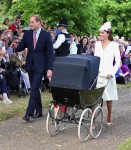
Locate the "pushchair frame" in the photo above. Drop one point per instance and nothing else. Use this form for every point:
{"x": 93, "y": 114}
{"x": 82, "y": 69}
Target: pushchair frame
{"x": 90, "y": 121}
{"x": 76, "y": 96}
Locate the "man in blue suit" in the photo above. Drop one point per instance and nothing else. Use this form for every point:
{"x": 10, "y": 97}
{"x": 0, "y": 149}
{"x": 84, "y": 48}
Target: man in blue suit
{"x": 39, "y": 59}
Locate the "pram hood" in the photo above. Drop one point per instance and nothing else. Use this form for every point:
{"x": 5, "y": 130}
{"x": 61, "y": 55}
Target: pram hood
{"x": 75, "y": 71}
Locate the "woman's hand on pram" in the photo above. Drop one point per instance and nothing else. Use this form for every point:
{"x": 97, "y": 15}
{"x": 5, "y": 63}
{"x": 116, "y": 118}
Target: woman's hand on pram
{"x": 109, "y": 76}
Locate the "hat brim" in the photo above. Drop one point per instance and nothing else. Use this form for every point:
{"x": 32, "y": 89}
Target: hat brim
{"x": 63, "y": 25}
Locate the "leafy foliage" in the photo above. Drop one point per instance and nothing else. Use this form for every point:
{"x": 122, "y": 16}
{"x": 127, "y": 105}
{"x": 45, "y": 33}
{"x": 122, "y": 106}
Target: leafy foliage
{"x": 84, "y": 16}
{"x": 126, "y": 145}
{"x": 119, "y": 12}
{"x": 5, "y": 5}
{"x": 81, "y": 14}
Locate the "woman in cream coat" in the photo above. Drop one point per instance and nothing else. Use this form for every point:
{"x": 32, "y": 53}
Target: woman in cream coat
{"x": 107, "y": 50}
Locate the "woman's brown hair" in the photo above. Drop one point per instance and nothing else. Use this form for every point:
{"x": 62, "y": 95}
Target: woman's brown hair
{"x": 6, "y": 19}
{"x": 110, "y": 37}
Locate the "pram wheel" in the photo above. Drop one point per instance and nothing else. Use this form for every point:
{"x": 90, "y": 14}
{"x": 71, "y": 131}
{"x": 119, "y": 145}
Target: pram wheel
{"x": 84, "y": 125}
{"x": 54, "y": 121}
{"x": 96, "y": 122}
{"x": 51, "y": 121}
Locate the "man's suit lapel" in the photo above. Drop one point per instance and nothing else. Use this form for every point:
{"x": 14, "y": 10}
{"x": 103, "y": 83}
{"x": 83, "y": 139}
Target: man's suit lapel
{"x": 31, "y": 40}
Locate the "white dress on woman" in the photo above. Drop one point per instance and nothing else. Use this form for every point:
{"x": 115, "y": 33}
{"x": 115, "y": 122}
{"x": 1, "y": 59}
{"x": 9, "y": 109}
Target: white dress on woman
{"x": 106, "y": 67}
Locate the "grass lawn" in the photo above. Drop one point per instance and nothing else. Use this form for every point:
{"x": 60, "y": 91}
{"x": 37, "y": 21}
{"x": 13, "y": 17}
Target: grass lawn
{"x": 125, "y": 146}
{"x": 122, "y": 86}
{"x": 20, "y": 104}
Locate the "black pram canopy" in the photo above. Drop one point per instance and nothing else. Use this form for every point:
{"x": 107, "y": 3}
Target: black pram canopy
{"x": 75, "y": 71}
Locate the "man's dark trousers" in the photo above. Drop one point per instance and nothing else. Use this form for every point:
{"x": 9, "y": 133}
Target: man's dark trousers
{"x": 35, "y": 103}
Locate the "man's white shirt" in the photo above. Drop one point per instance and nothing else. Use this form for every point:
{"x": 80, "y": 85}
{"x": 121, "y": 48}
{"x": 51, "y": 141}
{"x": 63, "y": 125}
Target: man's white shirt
{"x": 37, "y": 33}
{"x": 60, "y": 40}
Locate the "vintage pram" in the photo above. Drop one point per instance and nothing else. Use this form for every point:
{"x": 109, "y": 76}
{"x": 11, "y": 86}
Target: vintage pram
{"x": 73, "y": 88}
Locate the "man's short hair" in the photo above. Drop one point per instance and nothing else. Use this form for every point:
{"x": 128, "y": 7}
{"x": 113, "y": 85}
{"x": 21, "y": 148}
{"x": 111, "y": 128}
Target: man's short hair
{"x": 37, "y": 17}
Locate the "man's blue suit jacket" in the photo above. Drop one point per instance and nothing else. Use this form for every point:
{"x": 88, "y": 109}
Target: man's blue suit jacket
{"x": 42, "y": 55}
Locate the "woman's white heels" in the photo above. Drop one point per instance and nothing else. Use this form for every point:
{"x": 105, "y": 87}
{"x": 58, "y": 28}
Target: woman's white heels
{"x": 109, "y": 123}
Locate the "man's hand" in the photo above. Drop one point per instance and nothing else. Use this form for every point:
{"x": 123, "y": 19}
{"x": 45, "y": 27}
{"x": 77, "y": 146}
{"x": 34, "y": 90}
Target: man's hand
{"x": 49, "y": 74}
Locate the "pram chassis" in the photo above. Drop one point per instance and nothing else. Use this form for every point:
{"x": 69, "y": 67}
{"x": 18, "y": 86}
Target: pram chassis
{"x": 91, "y": 120}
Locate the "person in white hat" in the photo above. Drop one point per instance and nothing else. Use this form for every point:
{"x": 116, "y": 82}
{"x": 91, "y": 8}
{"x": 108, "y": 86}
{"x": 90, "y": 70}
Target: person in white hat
{"x": 107, "y": 50}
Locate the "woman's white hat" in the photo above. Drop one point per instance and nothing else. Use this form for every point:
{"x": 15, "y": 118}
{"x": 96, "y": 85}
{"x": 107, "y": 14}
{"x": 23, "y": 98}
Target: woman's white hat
{"x": 106, "y": 26}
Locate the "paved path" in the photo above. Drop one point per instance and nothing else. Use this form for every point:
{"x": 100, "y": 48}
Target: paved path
{"x": 15, "y": 134}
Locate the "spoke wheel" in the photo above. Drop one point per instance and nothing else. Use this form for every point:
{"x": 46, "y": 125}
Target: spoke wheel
{"x": 55, "y": 117}
{"x": 51, "y": 121}
{"x": 61, "y": 117}
{"x": 84, "y": 125}
{"x": 96, "y": 122}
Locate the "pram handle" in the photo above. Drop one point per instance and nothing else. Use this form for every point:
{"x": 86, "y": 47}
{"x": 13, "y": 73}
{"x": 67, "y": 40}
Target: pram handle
{"x": 95, "y": 80}
{"x": 93, "y": 83}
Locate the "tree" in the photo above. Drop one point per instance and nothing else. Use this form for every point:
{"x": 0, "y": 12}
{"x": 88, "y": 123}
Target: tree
{"x": 119, "y": 12}
{"x": 85, "y": 16}
{"x": 5, "y": 5}
{"x": 82, "y": 16}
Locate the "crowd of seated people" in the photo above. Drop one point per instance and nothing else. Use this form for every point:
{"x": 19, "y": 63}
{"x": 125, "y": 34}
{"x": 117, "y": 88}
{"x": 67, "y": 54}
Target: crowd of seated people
{"x": 123, "y": 74}
{"x": 11, "y": 33}
{"x": 20, "y": 59}
{"x": 3, "y": 86}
